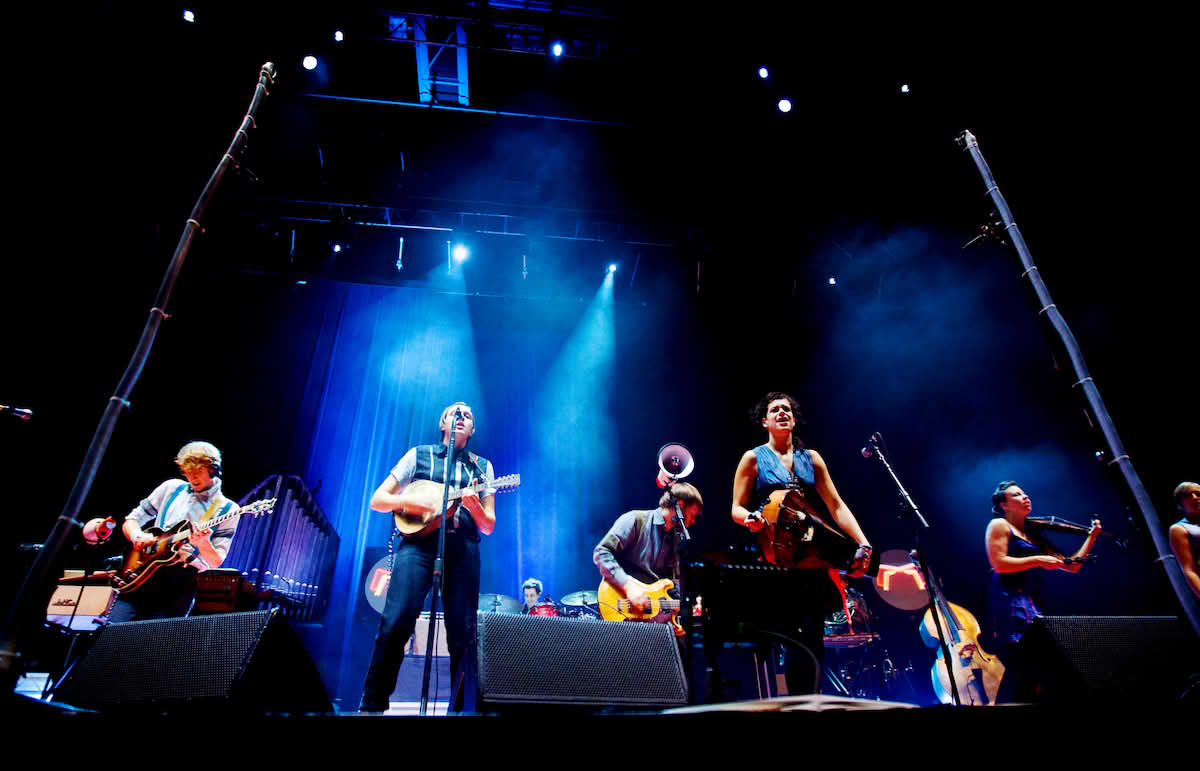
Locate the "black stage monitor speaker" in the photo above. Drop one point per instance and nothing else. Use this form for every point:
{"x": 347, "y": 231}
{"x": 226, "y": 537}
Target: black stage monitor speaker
{"x": 1065, "y": 658}
{"x": 548, "y": 660}
{"x": 248, "y": 662}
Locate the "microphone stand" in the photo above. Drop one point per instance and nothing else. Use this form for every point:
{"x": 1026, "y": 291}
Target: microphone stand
{"x": 22, "y": 614}
{"x": 682, "y": 541}
{"x": 918, "y": 523}
{"x": 438, "y": 570}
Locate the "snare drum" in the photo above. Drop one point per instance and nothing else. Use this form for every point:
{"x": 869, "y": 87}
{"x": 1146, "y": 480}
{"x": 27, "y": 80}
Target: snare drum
{"x": 543, "y": 609}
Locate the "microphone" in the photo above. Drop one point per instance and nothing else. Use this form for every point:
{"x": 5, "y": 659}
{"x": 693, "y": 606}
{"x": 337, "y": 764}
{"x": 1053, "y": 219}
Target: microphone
{"x": 20, "y": 412}
{"x": 869, "y": 450}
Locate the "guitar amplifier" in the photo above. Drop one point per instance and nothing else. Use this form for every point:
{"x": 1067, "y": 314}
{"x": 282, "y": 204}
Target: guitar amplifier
{"x": 79, "y": 606}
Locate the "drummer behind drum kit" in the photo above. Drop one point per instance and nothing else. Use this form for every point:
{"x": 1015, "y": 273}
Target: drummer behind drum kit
{"x": 582, "y": 605}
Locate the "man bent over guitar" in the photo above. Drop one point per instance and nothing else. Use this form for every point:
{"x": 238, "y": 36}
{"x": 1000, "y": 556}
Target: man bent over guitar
{"x": 639, "y": 558}
{"x": 170, "y": 591}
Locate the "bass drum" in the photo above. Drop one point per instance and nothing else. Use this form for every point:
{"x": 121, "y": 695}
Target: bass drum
{"x": 543, "y": 609}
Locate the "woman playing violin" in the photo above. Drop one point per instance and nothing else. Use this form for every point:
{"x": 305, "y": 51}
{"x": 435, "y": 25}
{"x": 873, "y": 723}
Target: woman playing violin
{"x": 1015, "y": 553}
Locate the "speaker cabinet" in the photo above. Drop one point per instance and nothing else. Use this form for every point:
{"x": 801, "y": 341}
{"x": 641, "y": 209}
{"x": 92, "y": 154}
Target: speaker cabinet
{"x": 1067, "y": 658}
{"x": 246, "y": 662}
{"x": 546, "y": 660}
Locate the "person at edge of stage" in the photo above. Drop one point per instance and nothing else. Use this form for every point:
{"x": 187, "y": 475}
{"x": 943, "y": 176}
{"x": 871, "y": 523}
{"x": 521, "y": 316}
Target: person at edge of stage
{"x": 412, "y": 564}
{"x": 532, "y": 591}
{"x": 784, "y": 462}
{"x": 644, "y": 544}
{"x": 171, "y": 590}
{"x": 1014, "y": 554}
{"x": 1185, "y": 534}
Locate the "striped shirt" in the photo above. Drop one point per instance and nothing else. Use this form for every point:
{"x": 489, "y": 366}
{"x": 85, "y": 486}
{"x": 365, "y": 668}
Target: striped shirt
{"x": 174, "y": 501}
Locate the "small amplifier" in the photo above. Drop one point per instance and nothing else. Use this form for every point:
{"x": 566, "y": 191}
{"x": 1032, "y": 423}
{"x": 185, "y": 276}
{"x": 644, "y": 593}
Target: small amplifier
{"x": 79, "y": 606}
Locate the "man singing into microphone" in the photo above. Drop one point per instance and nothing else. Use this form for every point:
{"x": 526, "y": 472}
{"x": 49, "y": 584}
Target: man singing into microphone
{"x": 412, "y": 565}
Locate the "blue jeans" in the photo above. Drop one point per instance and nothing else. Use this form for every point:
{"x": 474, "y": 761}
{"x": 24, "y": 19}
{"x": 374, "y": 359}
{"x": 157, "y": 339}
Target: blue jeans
{"x": 412, "y": 577}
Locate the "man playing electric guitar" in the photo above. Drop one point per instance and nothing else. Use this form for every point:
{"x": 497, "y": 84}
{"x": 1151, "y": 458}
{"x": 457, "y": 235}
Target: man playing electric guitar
{"x": 172, "y": 588}
{"x": 642, "y": 548}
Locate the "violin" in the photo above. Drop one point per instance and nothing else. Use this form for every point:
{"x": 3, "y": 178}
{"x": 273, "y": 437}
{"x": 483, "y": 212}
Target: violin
{"x": 1060, "y": 525}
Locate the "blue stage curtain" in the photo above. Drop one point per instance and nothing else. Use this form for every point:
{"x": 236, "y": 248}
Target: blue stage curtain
{"x": 387, "y": 361}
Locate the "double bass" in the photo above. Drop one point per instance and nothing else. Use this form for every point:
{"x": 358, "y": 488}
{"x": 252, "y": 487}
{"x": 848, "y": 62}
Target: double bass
{"x": 977, "y": 673}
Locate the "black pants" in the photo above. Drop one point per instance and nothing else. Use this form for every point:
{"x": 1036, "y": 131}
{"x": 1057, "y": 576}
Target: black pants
{"x": 799, "y": 666}
{"x": 169, "y": 593}
{"x": 412, "y": 577}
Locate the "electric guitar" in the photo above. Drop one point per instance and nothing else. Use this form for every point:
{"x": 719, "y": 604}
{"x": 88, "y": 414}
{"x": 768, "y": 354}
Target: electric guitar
{"x": 427, "y": 502}
{"x": 663, "y": 607}
{"x": 142, "y": 563}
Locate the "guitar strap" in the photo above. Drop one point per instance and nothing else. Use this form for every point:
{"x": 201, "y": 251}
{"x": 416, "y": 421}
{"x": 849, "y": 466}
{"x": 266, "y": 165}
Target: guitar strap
{"x": 163, "y": 512}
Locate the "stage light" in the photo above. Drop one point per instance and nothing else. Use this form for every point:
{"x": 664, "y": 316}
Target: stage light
{"x": 904, "y": 89}
{"x": 832, "y": 280}
{"x": 338, "y": 36}
{"x": 189, "y": 17}
{"x": 310, "y": 62}
{"x": 460, "y": 253}
{"x": 400, "y": 255}
{"x": 557, "y": 49}
{"x": 785, "y": 105}
{"x": 301, "y": 283}
{"x": 612, "y": 268}
{"x": 337, "y": 248}
{"x": 762, "y": 73}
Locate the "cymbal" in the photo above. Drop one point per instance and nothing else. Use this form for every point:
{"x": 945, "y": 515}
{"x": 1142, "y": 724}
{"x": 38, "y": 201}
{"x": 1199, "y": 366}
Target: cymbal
{"x": 499, "y": 603}
{"x": 580, "y": 598}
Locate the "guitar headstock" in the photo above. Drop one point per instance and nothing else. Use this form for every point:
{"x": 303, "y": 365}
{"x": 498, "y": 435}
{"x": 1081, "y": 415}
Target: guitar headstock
{"x": 258, "y": 507}
{"x": 505, "y": 483}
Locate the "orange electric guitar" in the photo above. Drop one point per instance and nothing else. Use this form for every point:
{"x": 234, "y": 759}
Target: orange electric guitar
{"x": 140, "y": 564}
{"x": 663, "y": 607}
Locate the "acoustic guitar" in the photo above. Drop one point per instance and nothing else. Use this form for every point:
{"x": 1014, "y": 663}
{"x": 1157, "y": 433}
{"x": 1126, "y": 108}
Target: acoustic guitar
{"x": 663, "y": 607}
{"x": 141, "y": 564}
{"x": 977, "y": 673}
{"x": 796, "y": 536}
{"x": 426, "y": 497}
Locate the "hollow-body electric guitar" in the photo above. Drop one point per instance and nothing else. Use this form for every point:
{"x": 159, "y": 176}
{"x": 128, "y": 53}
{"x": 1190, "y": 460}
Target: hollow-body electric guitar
{"x": 426, "y": 496}
{"x": 140, "y": 564}
{"x": 663, "y": 607}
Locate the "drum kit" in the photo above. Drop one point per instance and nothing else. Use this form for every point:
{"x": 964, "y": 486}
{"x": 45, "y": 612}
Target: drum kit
{"x": 581, "y": 605}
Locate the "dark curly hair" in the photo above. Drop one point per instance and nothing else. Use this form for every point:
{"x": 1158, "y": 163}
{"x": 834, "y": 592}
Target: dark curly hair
{"x": 759, "y": 410}
{"x": 999, "y": 495}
